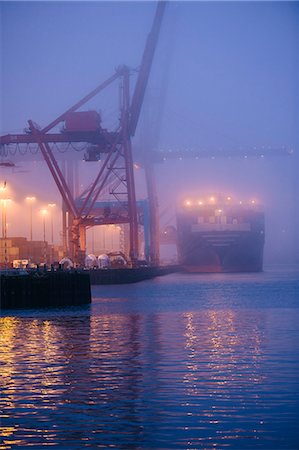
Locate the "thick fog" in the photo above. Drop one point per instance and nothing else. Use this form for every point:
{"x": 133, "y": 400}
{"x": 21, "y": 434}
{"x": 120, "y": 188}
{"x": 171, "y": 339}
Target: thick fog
{"x": 224, "y": 79}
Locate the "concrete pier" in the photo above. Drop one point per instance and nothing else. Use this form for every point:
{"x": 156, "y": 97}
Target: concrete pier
{"x": 41, "y": 289}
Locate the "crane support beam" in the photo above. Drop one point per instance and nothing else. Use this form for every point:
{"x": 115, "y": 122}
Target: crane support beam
{"x": 91, "y": 191}
{"x": 154, "y": 229}
{"x": 100, "y": 187}
{"x": 55, "y": 170}
{"x": 132, "y": 208}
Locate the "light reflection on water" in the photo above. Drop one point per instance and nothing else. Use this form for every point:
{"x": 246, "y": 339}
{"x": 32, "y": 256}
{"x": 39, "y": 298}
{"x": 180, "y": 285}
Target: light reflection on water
{"x": 177, "y": 362}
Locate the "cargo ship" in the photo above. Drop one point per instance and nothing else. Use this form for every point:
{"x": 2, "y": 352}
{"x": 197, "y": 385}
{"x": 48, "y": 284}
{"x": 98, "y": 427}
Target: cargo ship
{"x": 219, "y": 235}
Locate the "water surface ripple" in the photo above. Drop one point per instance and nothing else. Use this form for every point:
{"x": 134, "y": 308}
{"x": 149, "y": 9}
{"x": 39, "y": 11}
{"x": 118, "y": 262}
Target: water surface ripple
{"x": 182, "y": 361}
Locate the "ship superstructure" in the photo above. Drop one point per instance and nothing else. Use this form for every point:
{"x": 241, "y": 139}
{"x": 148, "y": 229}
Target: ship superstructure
{"x": 217, "y": 234}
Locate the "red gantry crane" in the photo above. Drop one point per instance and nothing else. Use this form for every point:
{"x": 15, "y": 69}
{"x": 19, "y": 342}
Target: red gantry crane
{"x": 114, "y": 146}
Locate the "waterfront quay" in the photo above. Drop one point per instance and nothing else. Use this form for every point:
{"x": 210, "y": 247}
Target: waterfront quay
{"x": 41, "y": 288}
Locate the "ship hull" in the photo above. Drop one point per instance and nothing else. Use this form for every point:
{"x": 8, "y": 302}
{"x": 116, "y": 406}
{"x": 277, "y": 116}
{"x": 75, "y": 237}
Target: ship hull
{"x": 210, "y": 239}
{"x": 245, "y": 254}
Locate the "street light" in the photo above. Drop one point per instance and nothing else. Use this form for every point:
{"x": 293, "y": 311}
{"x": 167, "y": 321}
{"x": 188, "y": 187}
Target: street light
{"x": 52, "y": 205}
{"x": 44, "y": 213}
{"x": 4, "y": 202}
{"x": 92, "y": 240}
{"x": 31, "y": 200}
{"x": 112, "y": 228}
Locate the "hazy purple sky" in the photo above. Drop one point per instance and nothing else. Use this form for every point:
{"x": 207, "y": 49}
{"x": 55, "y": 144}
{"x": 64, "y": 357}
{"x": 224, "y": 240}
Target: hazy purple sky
{"x": 226, "y": 75}
{"x": 232, "y": 75}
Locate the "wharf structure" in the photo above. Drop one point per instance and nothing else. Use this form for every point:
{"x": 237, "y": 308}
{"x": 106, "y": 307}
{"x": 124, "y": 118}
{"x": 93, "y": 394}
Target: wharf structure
{"x": 42, "y": 289}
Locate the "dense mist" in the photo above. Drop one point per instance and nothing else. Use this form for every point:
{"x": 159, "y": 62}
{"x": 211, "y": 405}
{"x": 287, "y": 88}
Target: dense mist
{"x": 224, "y": 79}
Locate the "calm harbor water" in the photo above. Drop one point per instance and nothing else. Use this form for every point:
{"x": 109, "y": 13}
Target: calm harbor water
{"x": 182, "y": 361}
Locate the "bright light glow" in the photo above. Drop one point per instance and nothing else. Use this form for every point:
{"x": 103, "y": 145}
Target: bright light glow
{"x": 252, "y": 202}
{"x": 219, "y": 211}
{"x": 30, "y": 199}
{"x": 188, "y": 203}
{"x": 4, "y": 201}
{"x": 4, "y": 188}
{"x": 44, "y": 212}
{"x": 51, "y": 205}
{"x": 212, "y": 199}
{"x": 240, "y": 202}
{"x": 136, "y": 166}
{"x": 200, "y": 202}
{"x": 228, "y": 198}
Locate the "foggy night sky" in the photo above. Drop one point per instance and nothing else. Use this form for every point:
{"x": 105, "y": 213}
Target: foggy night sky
{"x": 225, "y": 75}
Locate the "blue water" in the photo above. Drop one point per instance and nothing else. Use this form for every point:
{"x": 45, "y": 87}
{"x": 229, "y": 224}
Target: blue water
{"x": 182, "y": 361}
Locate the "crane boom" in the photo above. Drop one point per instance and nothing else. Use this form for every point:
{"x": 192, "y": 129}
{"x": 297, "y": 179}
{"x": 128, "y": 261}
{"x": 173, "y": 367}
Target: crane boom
{"x": 145, "y": 68}
{"x": 83, "y": 126}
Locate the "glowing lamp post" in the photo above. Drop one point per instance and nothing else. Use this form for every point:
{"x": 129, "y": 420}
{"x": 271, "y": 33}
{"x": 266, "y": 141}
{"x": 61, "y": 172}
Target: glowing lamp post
{"x": 2, "y": 199}
{"x": 112, "y": 228}
{"x": 4, "y": 202}
{"x": 44, "y": 213}
{"x": 30, "y": 200}
{"x": 52, "y": 205}
{"x": 92, "y": 240}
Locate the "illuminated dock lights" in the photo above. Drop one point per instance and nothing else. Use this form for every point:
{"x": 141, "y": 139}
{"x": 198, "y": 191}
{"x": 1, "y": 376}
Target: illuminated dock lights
{"x": 44, "y": 213}
{"x": 31, "y": 200}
